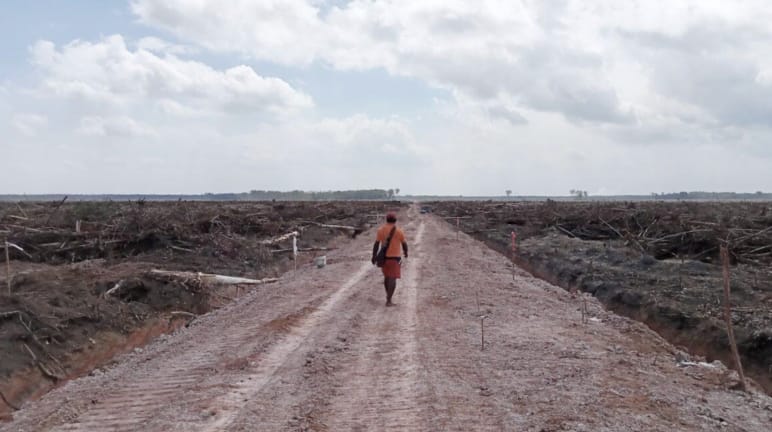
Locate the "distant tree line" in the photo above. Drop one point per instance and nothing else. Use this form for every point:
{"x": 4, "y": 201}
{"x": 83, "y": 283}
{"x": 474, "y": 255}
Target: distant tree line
{"x": 298, "y": 195}
{"x": 253, "y": 195}
{"x": 701, "y": 195}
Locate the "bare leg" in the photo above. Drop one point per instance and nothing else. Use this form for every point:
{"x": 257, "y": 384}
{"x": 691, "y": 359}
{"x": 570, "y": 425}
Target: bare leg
{"x": 386, "y": 287}
{"x": 391, "y": 285}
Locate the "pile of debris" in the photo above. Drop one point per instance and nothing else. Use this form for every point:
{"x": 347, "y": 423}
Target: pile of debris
{"x": 686, "y": 230}
{"x": 89, "y": 280}
{"x": 58, "y": 233}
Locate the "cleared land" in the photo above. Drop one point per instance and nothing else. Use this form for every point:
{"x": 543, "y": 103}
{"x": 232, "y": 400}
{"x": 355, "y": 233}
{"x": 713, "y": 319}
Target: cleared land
{"x": 319, "y": 351}
{"x": 83, "y": 289}
{"x": 656, "y": 262}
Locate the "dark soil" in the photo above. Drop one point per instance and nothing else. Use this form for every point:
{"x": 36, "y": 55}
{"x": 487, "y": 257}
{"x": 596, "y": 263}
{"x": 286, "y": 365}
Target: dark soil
{"x": 58, "y": 323}
{"x": 654, "y": 262}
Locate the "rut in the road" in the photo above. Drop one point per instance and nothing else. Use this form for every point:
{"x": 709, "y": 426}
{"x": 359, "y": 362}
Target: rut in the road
{"x": 380, "y": 392}
{"x": 229, "y": 406}
{"x": 200, "y": 378}
{"x": 319, "y": 351}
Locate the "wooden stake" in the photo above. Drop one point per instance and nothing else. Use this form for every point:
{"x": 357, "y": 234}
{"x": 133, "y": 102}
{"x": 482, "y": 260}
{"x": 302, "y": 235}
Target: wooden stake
{"x": 482, "y": 333}
{"x": 7, "y": 267}
{"x": 514, "y": 238}
{"x": 728, "y": 317}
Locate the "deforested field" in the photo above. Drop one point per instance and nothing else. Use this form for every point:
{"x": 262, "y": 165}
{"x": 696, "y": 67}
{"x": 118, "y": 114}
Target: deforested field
{"x": 657, "y": 262}
{"x": 83, "y": 286}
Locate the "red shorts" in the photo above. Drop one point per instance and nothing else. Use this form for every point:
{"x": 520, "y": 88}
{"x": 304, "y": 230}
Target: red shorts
{"x": 392, "y": 268}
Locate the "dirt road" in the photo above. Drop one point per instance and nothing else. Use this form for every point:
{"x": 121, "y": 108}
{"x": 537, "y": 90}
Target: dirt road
{"x": 319, "y": 351}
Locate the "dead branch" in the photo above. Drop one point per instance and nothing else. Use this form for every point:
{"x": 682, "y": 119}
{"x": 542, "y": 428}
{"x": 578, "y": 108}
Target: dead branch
{"x": 189, "y": 316}
{"x": 183, "y": 313}
{"x": 22, "y": 210}
{"x": 669, "y": 236}
{"x": 612, "y": 228}
{"x": 212, "y": 278}
{"x": 114, "y": 289}
{"x": 7, "y": 314}
{"x": 56, "y": 209}
{"x": 279, "y": 238}
{"x": 43, "y": 368}
{"x": 341, "y": 227}
{"x": 318, "y": 249}
{"x": 181, "y": 249}
{"x": 567, "y": 232}
{"x": 750, "y": 236}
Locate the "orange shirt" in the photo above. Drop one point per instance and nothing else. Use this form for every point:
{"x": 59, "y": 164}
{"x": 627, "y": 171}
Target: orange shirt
{"x": 395, "y": 247}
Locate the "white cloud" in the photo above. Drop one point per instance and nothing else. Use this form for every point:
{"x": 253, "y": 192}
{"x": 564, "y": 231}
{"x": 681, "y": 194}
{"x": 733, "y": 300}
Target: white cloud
{"x": 29, "y": 124}
{"x": 109, "y": 73}
{"x": 273, "y": 31}
{"x": 544, "y": 97}
{"x": 361, "y": 133}
{"x": 112, "y": 127}
{"x": 161, "y": 46}
{"x": 507, "y": 113}
{"x": 582, "y": 59}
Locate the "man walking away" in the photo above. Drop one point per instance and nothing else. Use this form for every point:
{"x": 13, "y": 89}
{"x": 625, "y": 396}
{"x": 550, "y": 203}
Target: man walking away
{"x": 390, "y": 237}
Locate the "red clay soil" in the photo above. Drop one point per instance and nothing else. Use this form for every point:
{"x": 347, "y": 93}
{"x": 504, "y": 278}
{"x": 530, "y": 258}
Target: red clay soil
{"x": 319, "y": 351}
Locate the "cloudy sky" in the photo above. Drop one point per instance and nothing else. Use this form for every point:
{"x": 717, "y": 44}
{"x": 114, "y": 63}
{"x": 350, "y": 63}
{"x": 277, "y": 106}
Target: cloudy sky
{"x": 431, "y": 96}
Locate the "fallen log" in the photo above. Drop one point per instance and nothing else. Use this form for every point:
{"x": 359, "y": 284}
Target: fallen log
{"x": 181, "y": 249}
{"x": 279, "y": 238}
{"x": 319, "y": 249}
{"x": 341, "y": 227}
{"x": 114, "y": 289}
{"x": 567, "y": 232}
{"x": 45, "y": 370}
{"x": 183, "y": 313}
{"x": 212, "y": 278}
{"x": 21, "y": 210}
{"x": 7, "y": 314}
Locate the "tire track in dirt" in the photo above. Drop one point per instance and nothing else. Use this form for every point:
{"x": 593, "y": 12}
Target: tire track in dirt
{"x": 195, "y": 381}
{"x": 129, "y": 406}
{"x": 320, "y": 352}
{"x": 299, "y": 394}
{"x": 381, "y": 387}
{"x": 229, "y": 406}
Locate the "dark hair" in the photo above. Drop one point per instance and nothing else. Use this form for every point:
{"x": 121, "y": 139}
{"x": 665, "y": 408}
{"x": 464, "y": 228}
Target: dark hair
{"x": 391, "y": 219}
